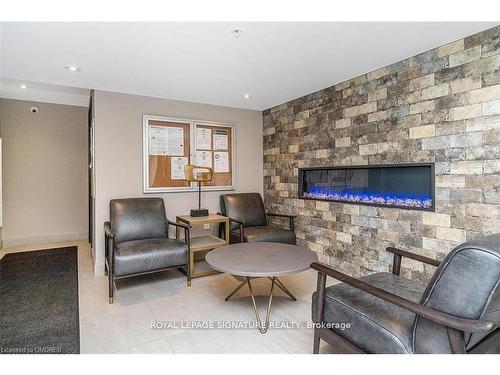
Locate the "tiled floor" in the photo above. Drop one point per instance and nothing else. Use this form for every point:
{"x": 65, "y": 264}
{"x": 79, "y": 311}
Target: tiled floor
{"x": 125, "y": 326}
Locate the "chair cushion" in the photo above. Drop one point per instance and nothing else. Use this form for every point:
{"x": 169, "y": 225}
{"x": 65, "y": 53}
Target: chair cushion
{"x": 148, "y": 255}
{"x": 376, "y": 326}
{"x": 264, "y": 233}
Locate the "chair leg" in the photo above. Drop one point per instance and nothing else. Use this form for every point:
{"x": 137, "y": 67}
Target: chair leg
{"x": 188, "y": 273}
{"x": 316, "y": 342}
{"x": 110, "y": 279}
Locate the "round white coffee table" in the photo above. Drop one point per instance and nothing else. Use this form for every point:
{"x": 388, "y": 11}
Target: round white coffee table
{"x": 251, "y": 260}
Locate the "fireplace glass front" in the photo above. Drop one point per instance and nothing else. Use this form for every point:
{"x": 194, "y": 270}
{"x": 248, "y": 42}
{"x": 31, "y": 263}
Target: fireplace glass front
{"x": 403, "y": 186}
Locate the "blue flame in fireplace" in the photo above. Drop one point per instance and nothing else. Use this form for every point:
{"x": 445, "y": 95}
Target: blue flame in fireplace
{"x": 387, "y": 199}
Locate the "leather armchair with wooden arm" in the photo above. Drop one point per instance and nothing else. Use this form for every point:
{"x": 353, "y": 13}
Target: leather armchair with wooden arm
{"x": 249, "y": 220}
{"x": 456, "y": 313}
{"x": 137, "y": 241}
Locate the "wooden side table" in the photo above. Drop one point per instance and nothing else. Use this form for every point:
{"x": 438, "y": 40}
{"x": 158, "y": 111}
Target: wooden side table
{"x": 200, "y": 246}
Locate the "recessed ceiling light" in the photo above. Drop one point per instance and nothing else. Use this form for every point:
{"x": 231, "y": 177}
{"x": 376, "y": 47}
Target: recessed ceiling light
{"x": 237, "y": 33}
{"x": 73, "y": 68}
{"x": 23, "y": 86}
{"x": 247, "y": 96}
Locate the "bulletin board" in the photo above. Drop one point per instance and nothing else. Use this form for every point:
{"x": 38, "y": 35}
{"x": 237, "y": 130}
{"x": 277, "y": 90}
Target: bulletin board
{"x": 214, "y": 150}
{"x": 171, "y": 143}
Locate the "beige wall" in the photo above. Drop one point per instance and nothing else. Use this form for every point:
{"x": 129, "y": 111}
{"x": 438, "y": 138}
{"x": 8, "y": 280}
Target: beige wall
{"x": 44, "y": 172}
{"x": 118, "y": 152}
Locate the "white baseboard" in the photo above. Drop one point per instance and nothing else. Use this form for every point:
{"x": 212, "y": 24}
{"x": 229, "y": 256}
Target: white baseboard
{"x": 98, "y": 269}
{"x": 11, "y": 242}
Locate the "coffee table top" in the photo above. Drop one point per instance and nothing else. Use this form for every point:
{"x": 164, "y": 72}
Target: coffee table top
{"x": 260, "y": 259}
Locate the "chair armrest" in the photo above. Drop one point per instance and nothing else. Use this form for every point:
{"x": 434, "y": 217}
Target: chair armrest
{"x": 290, "y": 218}
{"x": 186, "y": 228}
{"x": 238, "y": 221}
{"x": 241, "y": 227}
{"x": 235, "y": 220}
{"x": 180, "y": 225}
{"x": 398, "y": 254}
{"x": 407, "y": 254}
{"x": 447, "y": 320}
{"x": 109, "y": 246}
{"x": 108, "y": 232}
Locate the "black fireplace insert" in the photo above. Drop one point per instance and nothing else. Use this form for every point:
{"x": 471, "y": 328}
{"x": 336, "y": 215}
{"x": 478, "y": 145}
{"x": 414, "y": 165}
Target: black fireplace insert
{"x": 408, "y": 186}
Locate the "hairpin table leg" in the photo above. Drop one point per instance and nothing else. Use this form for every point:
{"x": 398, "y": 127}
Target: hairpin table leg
{"x": 236, "y": 290}
{"x": 284, "y": 289}
{"x": 262, "y": 329}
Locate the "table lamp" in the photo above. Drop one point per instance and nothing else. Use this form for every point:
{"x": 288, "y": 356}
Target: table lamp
{"x": 199, "y": 174}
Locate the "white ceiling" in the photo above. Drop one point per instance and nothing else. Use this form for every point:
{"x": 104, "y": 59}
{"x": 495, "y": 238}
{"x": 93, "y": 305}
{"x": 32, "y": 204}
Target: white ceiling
{"x": 43, "y": 92}
{"x": 204, "y": 62}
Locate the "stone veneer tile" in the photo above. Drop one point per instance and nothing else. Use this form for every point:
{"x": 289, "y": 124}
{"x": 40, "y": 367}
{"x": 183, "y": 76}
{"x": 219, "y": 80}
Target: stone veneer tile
{"x": 436, "y": 143}
{"x": 377, "y": 94}
{"x": 422, "y": 82}
{"x": 351, "y": 209}
{"x": 485, "y": 94}
{"x": 439, "y": 106}
{"x": 435, "y": 91}
{"x": 490, "y": 108}
{"x": 360, "y": 109}
{"x": 424, "y": 131}
{"x": 465, "y": 84}
{"x": 492, "y": 166}
{"x": 344, "y": 237}
{"x": 450, "y": 48}
{"x": 343, "y": 123}
{"x": 377, "y": 116}
{"x": 420, "y": 107}
{"x": 466, "y": 140}
{"x": 451, "y": 234}
{"x": 466, "y": 167}
{"x": 491, "y": 78}
{"x": 450, "y": 181}
{"x": 343, "y": 142}
{"x": 483, "y": 210}
{"x": 466, "y": 56}
{"x": 435, "y": 219}
{"x": 465, "y": 112}
{"x": 441, "y": 246}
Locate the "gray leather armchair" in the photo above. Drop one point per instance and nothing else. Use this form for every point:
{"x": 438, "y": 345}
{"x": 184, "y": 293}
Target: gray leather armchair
{"x": 458, "y": 312}
{"x": 137, "y": 240}
{"x": 248, "y": 220}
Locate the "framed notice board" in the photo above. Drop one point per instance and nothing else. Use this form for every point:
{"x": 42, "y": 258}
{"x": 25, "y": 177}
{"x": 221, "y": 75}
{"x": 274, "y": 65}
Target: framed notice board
{"x": 171, "y": 143}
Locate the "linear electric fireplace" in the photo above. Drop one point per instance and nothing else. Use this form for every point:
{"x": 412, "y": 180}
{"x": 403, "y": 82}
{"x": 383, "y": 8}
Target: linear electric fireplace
{"x": 404, "y": 186}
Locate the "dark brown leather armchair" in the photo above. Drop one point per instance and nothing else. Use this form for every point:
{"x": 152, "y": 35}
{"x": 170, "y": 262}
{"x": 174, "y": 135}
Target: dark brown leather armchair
{"x": 248, "y": 220}
{"x": 458, "y": 311}
{"x": 137, "y": 240}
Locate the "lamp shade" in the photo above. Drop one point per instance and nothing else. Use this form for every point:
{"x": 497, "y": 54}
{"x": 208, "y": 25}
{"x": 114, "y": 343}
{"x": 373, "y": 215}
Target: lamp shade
{"x": 197, "y": 173}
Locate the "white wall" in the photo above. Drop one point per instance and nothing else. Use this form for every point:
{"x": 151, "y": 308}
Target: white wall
{"x": 44, "y": 172}
{"x": 118, "y": 153}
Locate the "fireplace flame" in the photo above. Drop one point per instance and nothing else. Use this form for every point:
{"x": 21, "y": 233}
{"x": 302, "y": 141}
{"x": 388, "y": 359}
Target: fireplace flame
{"x": 385, "y": 200}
